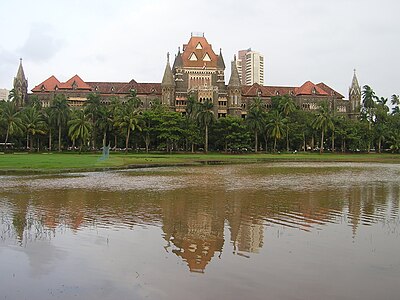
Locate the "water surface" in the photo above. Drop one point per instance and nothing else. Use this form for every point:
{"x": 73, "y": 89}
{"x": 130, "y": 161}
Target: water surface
{"x": 266, "y": 231}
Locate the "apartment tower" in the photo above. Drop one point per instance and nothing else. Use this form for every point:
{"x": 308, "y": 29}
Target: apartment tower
{"x": 250, "y": 65}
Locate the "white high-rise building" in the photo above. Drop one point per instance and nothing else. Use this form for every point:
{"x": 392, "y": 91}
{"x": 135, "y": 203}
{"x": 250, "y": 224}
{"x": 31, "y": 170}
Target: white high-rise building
{"x": 4, "y": 94}
{"x": 250, "y": 65}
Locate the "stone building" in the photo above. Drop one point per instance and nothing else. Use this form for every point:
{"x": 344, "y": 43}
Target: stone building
{"x": 4, "y": 94}
{"x": 196, "y": 72}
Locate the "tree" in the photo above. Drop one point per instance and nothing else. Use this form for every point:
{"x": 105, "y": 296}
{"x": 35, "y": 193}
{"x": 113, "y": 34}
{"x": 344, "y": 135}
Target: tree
{"x": 93, "y": 108}
{"x": 287, "y": 107}
{"x": 276, "y": 126}
{"x": 256, "y": 119}
{"x": 380, "y": 121}
{"x": 323, "y": 121}
{"x": 368, "y": 109}
{"x": 33, "y": 123}
{"x": 12, "y": 119}
{"x": 60, "y": 111}
{"x": 128, "y": 120}
{"x": 79, "y": 127}
{"x": 205, "y": 117}
{"x": 395, "y": 100}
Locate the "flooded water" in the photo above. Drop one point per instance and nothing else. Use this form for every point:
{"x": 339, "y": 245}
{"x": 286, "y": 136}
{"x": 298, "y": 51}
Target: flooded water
{"x": 266, "y": 231}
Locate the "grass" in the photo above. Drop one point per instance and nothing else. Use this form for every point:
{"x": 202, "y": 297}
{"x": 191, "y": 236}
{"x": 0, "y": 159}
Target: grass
{"x": 59, "y": 162}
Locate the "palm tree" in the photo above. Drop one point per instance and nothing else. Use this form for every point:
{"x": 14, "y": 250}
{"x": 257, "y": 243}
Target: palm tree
{"x": 395, "y": 100}
{"x": 92, "y": 108}
{"x": 368, "y": 101}
{"x": 276, "y": 126}
{"x": 133, "y": 98}
{"x": 60, "y": 111}
{"x": 323, "y": 121}
{"x": 287, "y": 106}
{"x": 128, "y": 120}
{"x": 11, "y": 116}
{"x": 79, "y": 127}
{"x": 205, "y": 116}
{"x": 14, "y": 96}
{"x": 33, "y": 123}
{"x": 256, "y": 119}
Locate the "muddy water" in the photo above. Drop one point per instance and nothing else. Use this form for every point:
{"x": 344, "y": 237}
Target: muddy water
{"x": 267, "y": 231}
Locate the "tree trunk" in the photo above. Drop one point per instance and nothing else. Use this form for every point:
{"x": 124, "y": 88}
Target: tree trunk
{"x": 333, "y": 141}
{"x": 127, "y": 140}
{"x": 50, "y": 140}
{"x": 5, "y": 142}
{"x": 27, "y": 141}
{"x": 379, "y": 144}
{"x": 321, "y": 149}
{"x": 206, "y": 142}
{"x": 304, "y": 142}
{"x": 104, "y": 138}
{"x": 192, "y": 147}
{"x": 312, "y": 142}
{"x": 287, "y": 139}
{"x": 256, "y": 141}
{"x": 115, "y": 142}
{"x": 59, "y": 136}
{"x": 275, "y": 145}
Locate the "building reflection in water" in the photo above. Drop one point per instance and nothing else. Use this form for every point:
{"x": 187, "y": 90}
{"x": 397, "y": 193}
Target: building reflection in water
{"x": 193, "y": 219}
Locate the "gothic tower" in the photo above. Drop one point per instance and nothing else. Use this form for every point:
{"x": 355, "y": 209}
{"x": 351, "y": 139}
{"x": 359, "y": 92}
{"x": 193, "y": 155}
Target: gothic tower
{"x": 354, "y": 97}
{"x": 168, "y": 86}
{"x": 20, "y": 86}
{"x": 234, "y": 91}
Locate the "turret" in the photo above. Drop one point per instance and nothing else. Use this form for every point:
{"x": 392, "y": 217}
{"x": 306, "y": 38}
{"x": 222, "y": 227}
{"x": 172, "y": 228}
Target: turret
{"x": 20, "y": 86}
{"x": 168, "y": 86}
{"x": 355, "y": 95}
{"x": 234, "y": 90}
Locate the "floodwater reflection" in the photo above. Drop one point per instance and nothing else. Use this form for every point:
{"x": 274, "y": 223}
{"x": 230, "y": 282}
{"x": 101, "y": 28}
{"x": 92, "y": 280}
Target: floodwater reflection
{"x": 92, "y": 235}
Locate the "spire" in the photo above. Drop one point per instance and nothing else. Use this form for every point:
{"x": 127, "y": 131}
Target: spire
{"x": 20, "y": 73}
{"x": 178, "y": 63}
{"x": 235, "y": 79}
{"x": 355, "y": 87}
{"x": 168, "y": 78}
{"x": 220, "y": 62}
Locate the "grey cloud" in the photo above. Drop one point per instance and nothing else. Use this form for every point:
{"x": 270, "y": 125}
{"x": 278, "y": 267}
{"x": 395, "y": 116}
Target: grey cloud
{"x": 42, "y": 43}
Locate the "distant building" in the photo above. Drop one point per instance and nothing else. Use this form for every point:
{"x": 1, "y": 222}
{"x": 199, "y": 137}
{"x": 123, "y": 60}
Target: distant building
{"x": 250, "y": 65}
{"x": 198, "y": 72}
{"x": 4, "y": 94}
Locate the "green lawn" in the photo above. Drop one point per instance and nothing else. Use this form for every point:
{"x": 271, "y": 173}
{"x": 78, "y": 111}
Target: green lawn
{"x": 36, "y": 162}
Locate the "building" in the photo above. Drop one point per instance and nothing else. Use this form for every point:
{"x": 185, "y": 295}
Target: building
{"x": 4, "y": 94}
{"x": 250, "y": 65}
{"x": 199, "y": 73}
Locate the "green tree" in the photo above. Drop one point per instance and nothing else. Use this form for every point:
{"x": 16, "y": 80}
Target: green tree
{"x": 33, "y": 123}
{"x": 11, "y": 117}
{"x": 395, "y": 100}
{"x": 323, "y": 121}
{"x": 79, "y": 127}
{"x": 60, "y": 112}
{"x": 93, "y": 110}
{"x": 256, "y": 119}
{"x": 205, "y": 116}
{"x": 287, "y": 107}
{"x": 128, "y": 120}
{"x": 276, "y": 126}
{"x": 368, "y": 110}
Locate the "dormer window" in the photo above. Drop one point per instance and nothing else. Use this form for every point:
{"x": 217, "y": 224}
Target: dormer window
{"x": 56, "y": 88}
{"x": 42, "y": 88}
{"x": 74, "y": 85}
{"x": 193, "y": 57}
{"x": 112, "y": 89}
{"x": 199, "y": 46}
{"x": 259, "y": 93}
{"x": 314, "y": 91}
{"x": 277, "y": 93}
{"x": 96, "y": 88}
{"x": 206, "y": 57}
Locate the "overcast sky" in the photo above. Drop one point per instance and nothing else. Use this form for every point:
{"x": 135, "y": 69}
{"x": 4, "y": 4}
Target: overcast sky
{"x": 120, "y": 40}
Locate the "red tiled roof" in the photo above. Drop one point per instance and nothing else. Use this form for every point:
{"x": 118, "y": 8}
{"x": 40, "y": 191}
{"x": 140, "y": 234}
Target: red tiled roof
{"x": 256, "y": 90}
{"x": 125, "y": 87}
{"x": 190, "y": 48}
{"x": 329, "y": 90}
{"x": 48, "y": 85}
{"x": 309, "y": 88}
{"x": 76, "y": 83}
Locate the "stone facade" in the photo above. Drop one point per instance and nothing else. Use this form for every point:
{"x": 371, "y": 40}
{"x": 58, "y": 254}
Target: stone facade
{"x": 197, "y": 72}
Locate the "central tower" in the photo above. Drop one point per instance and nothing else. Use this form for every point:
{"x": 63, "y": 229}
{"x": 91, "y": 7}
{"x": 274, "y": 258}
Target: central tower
{"x": 199, "y": 72}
